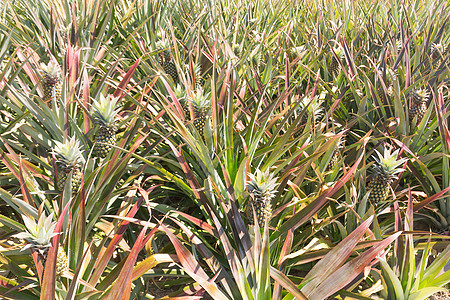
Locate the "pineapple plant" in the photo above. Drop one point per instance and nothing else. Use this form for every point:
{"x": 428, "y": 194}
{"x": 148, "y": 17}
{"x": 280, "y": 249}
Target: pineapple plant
{"x": 389, "y": 82}
{"x": 261, "y": 188}
{"x": 418, "y": 105}
{"x": 200, "y": 105}
{"x": 104, "y": 113}
{"x": 165, "y": 59}
{"x": 384, "y": 173}
{"x": 335, "y": 67}
{"x": 52, "y": 81}
{"x": 39, "y": 235}
{"x": 70, "y": 160}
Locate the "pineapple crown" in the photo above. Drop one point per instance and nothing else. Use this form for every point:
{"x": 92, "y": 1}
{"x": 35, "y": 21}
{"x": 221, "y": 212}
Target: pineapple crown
{"x": 262, "y": 184}
{"x": 105, "y": 110}
{"x": 420, "y": 95}
{"x": 39, "y": 234}
{"x": 162, "y": 44}
{"x": 200, "y": 101}
{"x": 69, "y": 152}
{"x": 339, "y": 51}
{"x": 391, "y": 74}
{"x": 51, "y": 69}
{"x": 180, "y": 93}
{"x": 387, "y": 164}
{"x": 437, "y": 47}
{"x": 313, "y": 105}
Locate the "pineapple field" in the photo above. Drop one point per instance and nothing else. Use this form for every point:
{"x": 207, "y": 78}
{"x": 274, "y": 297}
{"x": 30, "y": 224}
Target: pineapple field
{"x": 237, "y": 149}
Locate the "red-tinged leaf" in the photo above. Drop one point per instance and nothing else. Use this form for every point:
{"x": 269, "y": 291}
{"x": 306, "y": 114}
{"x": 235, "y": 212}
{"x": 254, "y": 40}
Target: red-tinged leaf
{"x": 200, "y": 223}
{"x": 428, "y": 200}
{"x": 70, "y": 275}
{"x": 311, "y": 209}
{"x": 193, "y": 268}
{"x": 107, "y": 253}
{"x": 120, "y": 91}
{"x": 7, "y": 160}
{"x": 188, "y": 172}
{"x": 76, "y": 276}
{"x": 125, "y": 276}
{"x": 114, "y": 274}
{"x": 350, "y": 270}
{"x": 215, "y": 266}
{"x": 23, "y": 186}
{"x": 86, "y": 100}
{"x": 335, "y": 258}
{"x": 184, "y": 298}
{"x": 49, "y": 279}
{"x": 286, "y": 283}
{"x": 174, "y": 98}
{"x": 152, "y": 261}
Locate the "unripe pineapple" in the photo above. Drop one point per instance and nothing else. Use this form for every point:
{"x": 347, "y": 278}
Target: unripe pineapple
{"x": 418, "y": 105}
{"x": 335, "y": 157}
{"x": 39, "y": 235}
{"x": 311, "y": 108}
{"x": 436, "y": 54}
{"x": 104, "y": 113}
{"x": 51, "y": 80}
{"x": 166, "y": 61}
{"x": 262, "y": 190}
{"x": 385, "y": 170}
{"x": 70, "y": 161}
{"x": 61, "y": 261}
{"x": 335, "y": 67}
{"x": 201, "y": 107}
{"x": 390, "y": 77}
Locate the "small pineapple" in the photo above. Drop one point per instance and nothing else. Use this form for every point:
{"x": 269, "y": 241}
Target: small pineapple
{"x": 70, "y": 161}
{"x": 311, "y": 108}
{"x": 390, "y": 77}
{"x": 39, "y": 235}
{"x": 335, "y": 67}
{"x": 61, "y": 261}
{"x": 261, "y": 187}
{"x": 436, "y": 54}
{"x": 335, "y": 157}
{"x": 385, "y": 170}
{"x": 166, "y": 61}
{"x": 201, "y": 106}
{"x": 104, "y": 113}
{"x": 52, "y": 80}
{"x": 418, "y": 104}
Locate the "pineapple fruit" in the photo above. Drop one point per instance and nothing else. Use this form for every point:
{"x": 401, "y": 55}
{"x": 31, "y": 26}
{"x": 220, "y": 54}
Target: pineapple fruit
{"x": 418, "y": 104}
{"x": 390, "y": 77}
{"x": 261, "y": 188}
{"x": 52, "y": 81}
{"x": 200, "y": 105}
{"x": 70, "y": 161}
{"x": 311, "y": 108}
{"x": 104, "y": 113}
{"x": 335, "y": 156}
{"x": 166, "y": 61}
{"x": 335, "y": 67}
{"x": 436, "y": 54}
{"x": 385, "y": 170}
{"x": 39, "y": 235}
